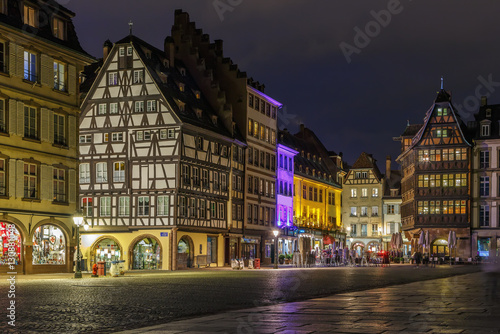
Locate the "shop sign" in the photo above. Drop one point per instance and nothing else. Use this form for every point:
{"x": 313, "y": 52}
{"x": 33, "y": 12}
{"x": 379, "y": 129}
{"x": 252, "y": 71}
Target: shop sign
{"x": 249, "y": 241}
{"x": 302, "y": 231}
{"x": 163, "y": 234}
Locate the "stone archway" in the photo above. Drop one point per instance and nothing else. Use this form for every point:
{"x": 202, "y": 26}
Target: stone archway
{"x": 97, "y": 255}
{"x": 357, "y": 248}
{"x": 133, "y": 248}
{"x": 17, "y": 234}
{"x": 185, "y": 252}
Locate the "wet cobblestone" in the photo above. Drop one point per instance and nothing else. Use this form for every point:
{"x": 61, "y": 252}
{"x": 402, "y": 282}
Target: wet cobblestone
{"x": 106, "y": 305}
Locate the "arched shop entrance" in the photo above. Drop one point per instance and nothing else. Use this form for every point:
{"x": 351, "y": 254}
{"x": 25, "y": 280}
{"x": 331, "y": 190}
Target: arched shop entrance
{"x": 107, "y": 250}
{"x": 9, "y": 234}
{"x": 146, "y": 254}
{"x": 185, "y": 253}
{"x": 373, "y": 246}
{"x": 439, "y": 247}
{"x": 358, "y": 248}
{"x": 49, "y": 246}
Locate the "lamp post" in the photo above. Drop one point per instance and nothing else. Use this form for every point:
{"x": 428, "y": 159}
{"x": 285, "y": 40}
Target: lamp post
{"x": 276, "y": 232}
{"x": 78, "y": 220}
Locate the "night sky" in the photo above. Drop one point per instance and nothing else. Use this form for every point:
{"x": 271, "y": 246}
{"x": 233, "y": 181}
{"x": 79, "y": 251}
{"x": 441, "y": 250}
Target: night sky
{"x": 294, "y": 48}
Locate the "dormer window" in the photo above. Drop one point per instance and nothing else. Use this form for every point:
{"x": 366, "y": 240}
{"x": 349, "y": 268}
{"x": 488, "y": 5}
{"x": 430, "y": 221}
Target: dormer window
{"x": 197, "y": 94}
{"x": 485, "y": 130}
{"x": 214, "y": 119}
{"x": 314, "y": 158}
{"x": 488, "y": 112}
{"x": 183, "y": 71}
{"x": 198, "y": 113}
{"x": 30, "y": 16}
{"x": 309, "y": 156}
{"x": 302, "y": 153}
{"x": 181, "y": 86}
{"x": 59, "y": 28}
{"x": 166, "y": 63}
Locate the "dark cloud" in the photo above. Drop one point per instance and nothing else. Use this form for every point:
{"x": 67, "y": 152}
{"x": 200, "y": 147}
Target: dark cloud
{"x": 293, "y": 47}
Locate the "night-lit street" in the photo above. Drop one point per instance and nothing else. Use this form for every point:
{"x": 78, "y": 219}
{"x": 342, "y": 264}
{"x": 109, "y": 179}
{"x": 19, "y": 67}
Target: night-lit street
{"x": 139, "y": 300}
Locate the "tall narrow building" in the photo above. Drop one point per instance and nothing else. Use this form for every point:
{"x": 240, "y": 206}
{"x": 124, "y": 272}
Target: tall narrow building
{"x": 241, "y": 101}
{"x": 40, "y": 59}
{"x": 435, "y": 164}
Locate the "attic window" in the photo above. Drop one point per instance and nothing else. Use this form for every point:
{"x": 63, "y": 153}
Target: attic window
{"x": 197, "y": 94}
{"x": 488, "y": 112}
{"x": 148, "y": 54}
{"x": 214, "y": 120}
{"x": 181, "y": 106}
{"x": 58, "y": 28}
{"x": 181, "y": 86}
{"x": 183, "y": 71}
{"x": 308, "y": 155}
{"x": 198, "y": 113}
{"x": 300, "y": 168}
{"x": 307, "y": 170}
{"x": 319, "y": 159}
{"x": 166, "y": 63}
{"x": 314, "y": 157}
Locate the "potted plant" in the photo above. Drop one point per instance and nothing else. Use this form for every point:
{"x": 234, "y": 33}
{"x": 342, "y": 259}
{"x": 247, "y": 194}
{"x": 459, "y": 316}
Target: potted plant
{"x": 288, "y": 258}
{"x": 282, "y": 258}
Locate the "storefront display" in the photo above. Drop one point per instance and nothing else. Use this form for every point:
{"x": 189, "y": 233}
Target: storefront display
{"x": 49, "y": 246}
{"x": 9, "y": 234}
{"x": 249, "y": 248}
{"x": 107, "y": 250}
{"x": 146, "y": 254}
{"x": 483, "y": 247}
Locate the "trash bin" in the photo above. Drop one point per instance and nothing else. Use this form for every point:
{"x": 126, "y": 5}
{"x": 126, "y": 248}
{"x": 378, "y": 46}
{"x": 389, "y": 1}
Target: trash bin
{"x": 101, "y": 268}
{"x": 256, "y": 263}
{"x": 250, "y": 264}
{"x": 121, "y": 267}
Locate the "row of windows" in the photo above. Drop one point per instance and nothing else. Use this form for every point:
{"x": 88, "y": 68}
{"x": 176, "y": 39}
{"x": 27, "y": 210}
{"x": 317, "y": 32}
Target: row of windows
{"x": 285, "y": 162}
{"x": 261, "y": 187}
{"x": 101, "y": 172}
{"x": 31, "y": 121}
{"x": 364, "y": 192}
{"x": 442, "y": 112}
{"x": 363, "y": 211}
{"x": 137, "y": 77}
{"x": 262, "y": 106}
{"x": 123, "y": 209}
{"x": 201, "y": 208}
{"x": 31, "y": 181}
{"x": 442, "y": 180}
{"x": 31, "y": 18}
{"x": 285, "y": 188}
{"x": 260, "y": 214}
{"x": 141, "y": 135}
{"x": 200, "y": 177}
{"x": 451, "y": 154}
{"x": 262, "y": 159}
{"x": 237, "y": 212}
{"x": 262, "y": 132}
{"x": 314, "y": 173}
{"x": 363, "y": 231}
{"x": 441, "y": 207}
{"x": 284, "y": 215}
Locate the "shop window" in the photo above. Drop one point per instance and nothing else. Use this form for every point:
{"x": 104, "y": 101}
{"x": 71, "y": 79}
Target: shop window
{"x": 49, "y": 245}
{"x": 9, "y": 234}
{"x": 483, "y": 247}
{"x": 146, "y": 255}
{"x": 107, "y": 250}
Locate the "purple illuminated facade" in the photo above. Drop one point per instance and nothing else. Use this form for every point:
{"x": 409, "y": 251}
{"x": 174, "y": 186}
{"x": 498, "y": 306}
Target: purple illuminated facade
{"x": 284, "y": 196}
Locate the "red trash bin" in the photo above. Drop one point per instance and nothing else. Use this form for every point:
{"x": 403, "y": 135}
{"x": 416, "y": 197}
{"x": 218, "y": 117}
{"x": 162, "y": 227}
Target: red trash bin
{"x": 101, "y": 268}
{"x": 256, "y": 264}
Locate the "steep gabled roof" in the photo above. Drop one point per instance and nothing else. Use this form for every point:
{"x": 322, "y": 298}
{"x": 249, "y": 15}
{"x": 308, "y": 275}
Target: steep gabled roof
{"x": 366, "y": 161}
{"x": 493, "y": 119}
{"x": 411, "y": 130}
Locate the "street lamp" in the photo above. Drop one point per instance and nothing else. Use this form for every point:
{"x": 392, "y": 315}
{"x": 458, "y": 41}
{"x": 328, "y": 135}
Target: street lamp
{"x": 276, "y": 232}
{"x": 78, "y": 220}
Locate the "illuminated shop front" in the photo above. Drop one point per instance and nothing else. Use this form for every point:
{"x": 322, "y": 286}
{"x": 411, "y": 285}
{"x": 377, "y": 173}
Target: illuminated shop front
{"x": 146, "y": 254}
{"x": 107, "y": 250}
{"x": 9, "y": 234}
{"x": 49, "y": 246}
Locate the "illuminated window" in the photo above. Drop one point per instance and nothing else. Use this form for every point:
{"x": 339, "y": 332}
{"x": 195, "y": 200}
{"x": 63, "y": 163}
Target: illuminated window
{"x": 59, "y": 129}
{"x": 105, "y": 206}
{"x": 30, "y": 180}
{"x": 59, "y": 182}
{"x": 59, "y": 76}
{"x": 30, "y": 66}
{"x": 58, "y": 28}
{"x": 30, "y": 14}
{"x": 119, "y": 171}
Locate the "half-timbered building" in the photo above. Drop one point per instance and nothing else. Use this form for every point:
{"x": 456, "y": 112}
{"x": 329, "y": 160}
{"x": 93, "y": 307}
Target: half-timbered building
{"x": 241, "y": 101}
{"x": 156, "y": 163}
{"x": 40, "y": 58}
{"x": 435, "y": 182}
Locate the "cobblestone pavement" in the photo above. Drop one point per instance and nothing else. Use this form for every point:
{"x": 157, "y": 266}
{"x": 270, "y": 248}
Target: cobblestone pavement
{"x": 105, "y": 305}
{"x": 459, "y": 304}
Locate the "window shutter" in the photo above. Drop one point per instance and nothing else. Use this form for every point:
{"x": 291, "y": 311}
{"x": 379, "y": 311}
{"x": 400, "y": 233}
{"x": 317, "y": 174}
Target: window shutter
{"x": 45, "y": 120}
{"x": 47, "y": 70}
{"x": 13, "y": 59}
{"x": 396, "y": 209}
{"x": 72, "y": 187}
{"x": 20, "y": 61}
{"x": 20, "y": 118}
{"x": 71, "y": 79}
{"x": 46, "y": 177}
{"x": 13, "y": 178}
{"x": 72, "y": 131}
{"x": 20, "y": 179}
{"x": 13, "y": 114}
{"x": 385, "y": 209}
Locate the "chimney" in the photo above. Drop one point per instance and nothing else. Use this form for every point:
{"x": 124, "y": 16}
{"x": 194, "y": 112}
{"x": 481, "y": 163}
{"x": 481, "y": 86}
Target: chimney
{"x": 106, "y": 49}
{"x": 169, "y": 50}
{"x": 484, "y": 101}
{"x": 302, "y": 128}
{"x": 388, "y": 167}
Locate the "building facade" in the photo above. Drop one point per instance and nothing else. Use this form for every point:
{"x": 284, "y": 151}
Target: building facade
{"x": 362, "y": 205}
{"x": 287, "y": 239}
{"x": 435, "y": 184}
{"x": 157, "y": 164}
{"x": 486, "y": 181}
{"x": 391, "y": 204}
{"x": 40, "y": 60}
{"x": 241, "y": 102}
